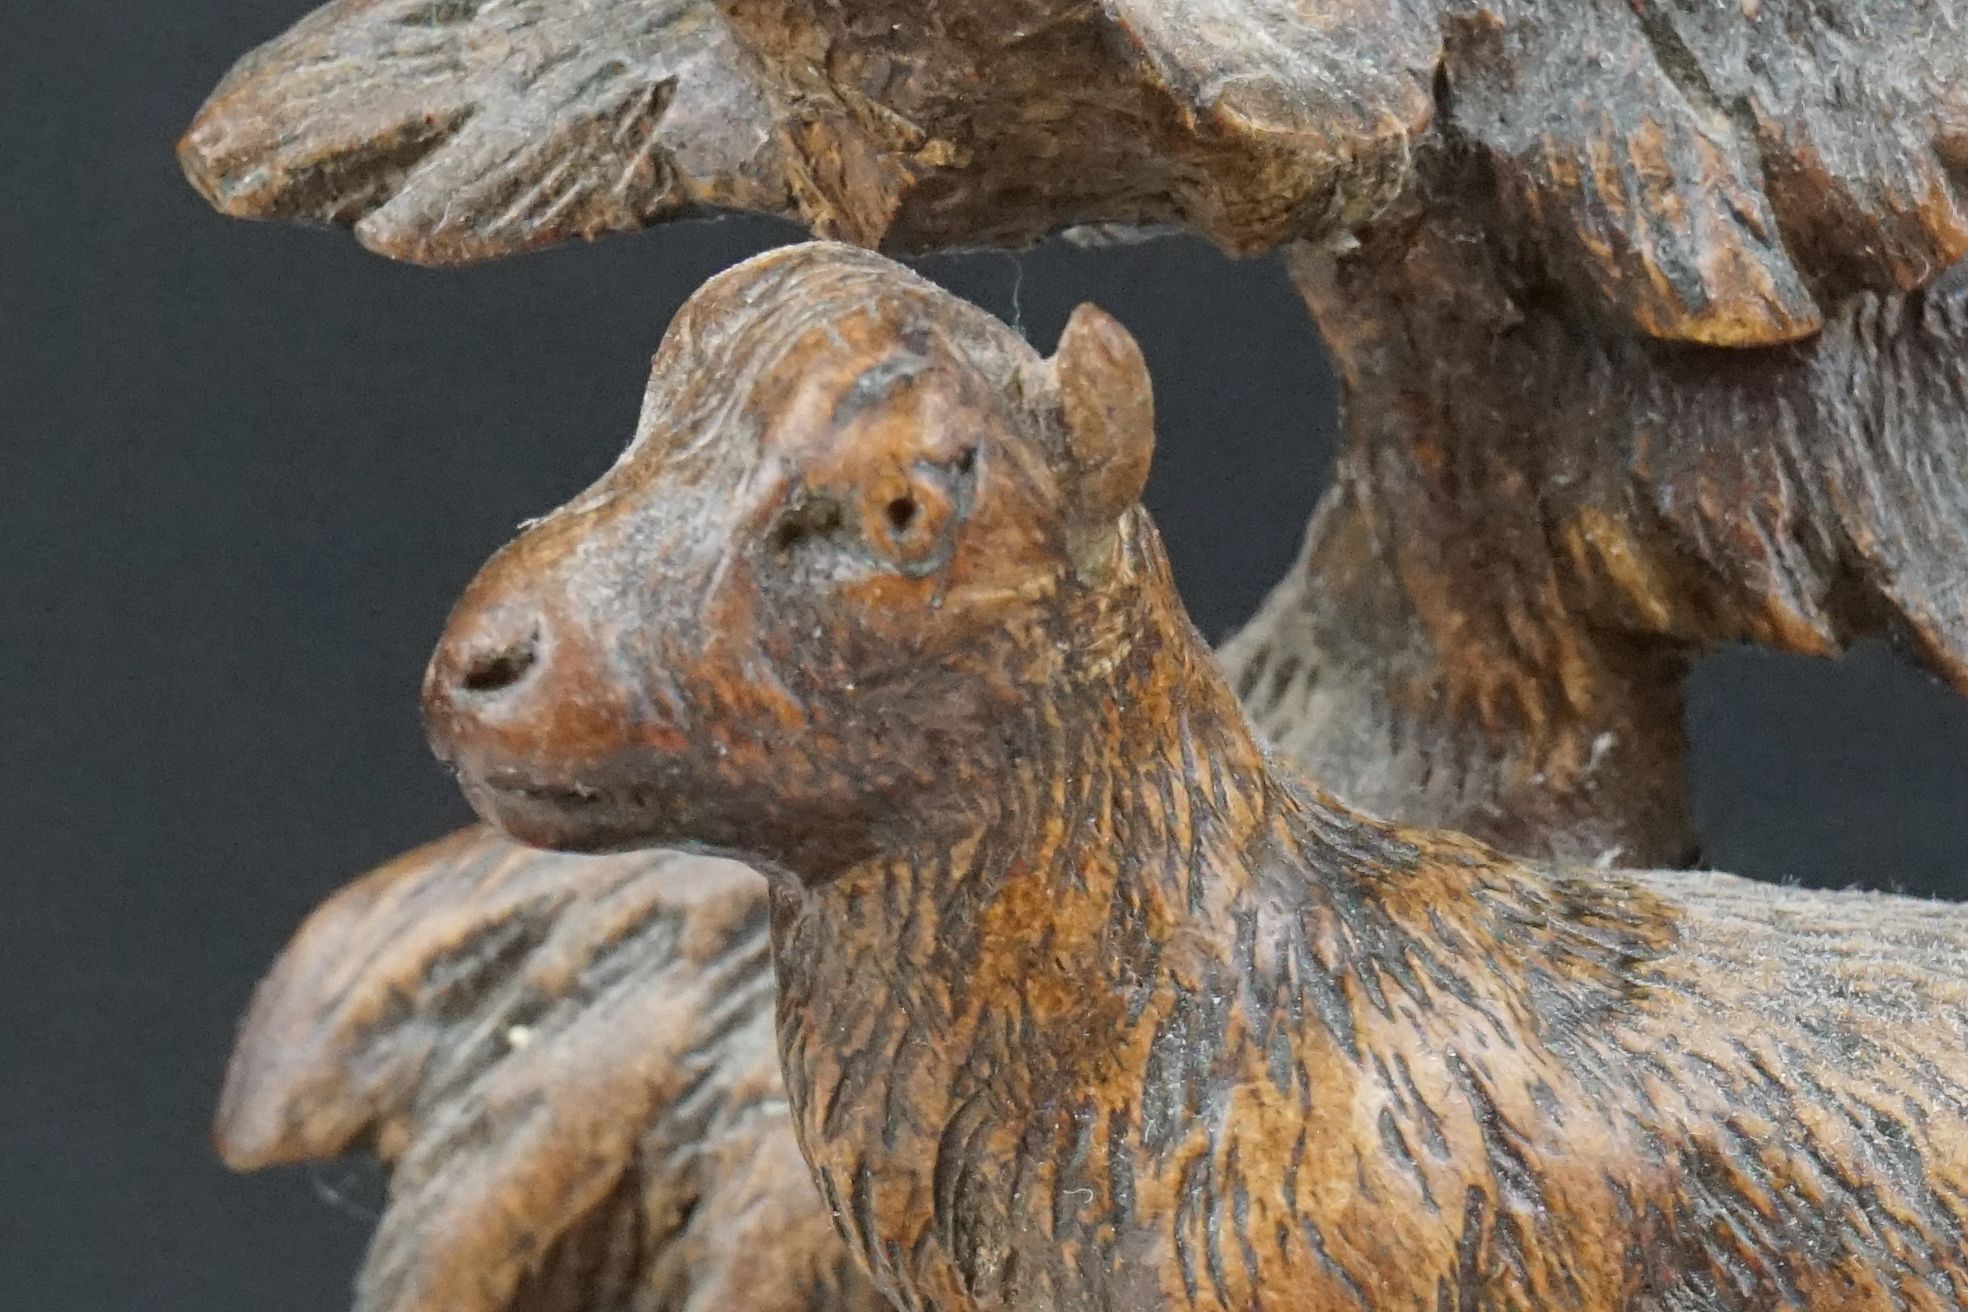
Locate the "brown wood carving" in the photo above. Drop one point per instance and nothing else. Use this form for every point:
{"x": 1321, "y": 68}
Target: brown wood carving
{"x": 1088, "y": 1001}
{"x": 1643, "y": 313}
{"x": 1535, "y": 530}
{"x": 568, "y": 1064}
{"x": 453, "y": 130}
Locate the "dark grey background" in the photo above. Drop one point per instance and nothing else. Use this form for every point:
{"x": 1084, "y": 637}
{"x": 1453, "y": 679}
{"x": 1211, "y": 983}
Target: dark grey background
{"x": 242, "y": 474}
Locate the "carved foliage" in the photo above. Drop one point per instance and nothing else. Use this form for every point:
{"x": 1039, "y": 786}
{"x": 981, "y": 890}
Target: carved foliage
{"x": 568, "y": 1063}
{"x": 914, "y": 126}
{"x": 445, "y": 131}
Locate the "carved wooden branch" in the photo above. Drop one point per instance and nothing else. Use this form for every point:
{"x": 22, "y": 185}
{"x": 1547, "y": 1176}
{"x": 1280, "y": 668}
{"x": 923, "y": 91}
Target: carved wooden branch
{"x": 1085, "y": 1000}
{"x": 1705, "y": 176}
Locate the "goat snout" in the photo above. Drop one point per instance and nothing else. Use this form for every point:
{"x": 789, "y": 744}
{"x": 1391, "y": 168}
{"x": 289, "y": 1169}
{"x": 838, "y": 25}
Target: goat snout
{"x": 486, "y": 658}
{"x": 527, "y": 712}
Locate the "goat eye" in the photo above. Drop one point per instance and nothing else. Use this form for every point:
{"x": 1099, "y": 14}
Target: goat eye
{"x": 908, "y": 515}
{"x": 904, "y": 517}
{"x": 902, "y": 513}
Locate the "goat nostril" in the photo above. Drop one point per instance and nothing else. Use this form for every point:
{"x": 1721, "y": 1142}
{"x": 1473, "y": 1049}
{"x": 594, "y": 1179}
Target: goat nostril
{"x": 494, "y": 669}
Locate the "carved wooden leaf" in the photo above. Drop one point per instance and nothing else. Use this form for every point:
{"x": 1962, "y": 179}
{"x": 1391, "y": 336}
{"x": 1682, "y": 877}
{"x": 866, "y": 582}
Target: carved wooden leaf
{"x": 1859, "y": 114}
{"x": 569, "y": 1064}
{"x": 1715, "y": 172}
{"x": 453, "y": 130}
{"x": 1329, "y": 69}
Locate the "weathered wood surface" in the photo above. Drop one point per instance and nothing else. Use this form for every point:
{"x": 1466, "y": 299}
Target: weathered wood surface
{"x": 567, "y": 1064}
{"x": 384, "y": 1026}
{"x": 1085, "y": 999}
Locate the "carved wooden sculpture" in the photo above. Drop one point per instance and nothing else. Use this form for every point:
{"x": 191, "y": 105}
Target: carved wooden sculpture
{"x": 1641, "y": 310}
{"x": 1085, "y": 1000}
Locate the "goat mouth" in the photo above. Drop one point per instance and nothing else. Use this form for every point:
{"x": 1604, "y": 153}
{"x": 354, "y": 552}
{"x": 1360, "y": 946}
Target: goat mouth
{"x": 569, "y": 817}
{"x": 512, "y": 782}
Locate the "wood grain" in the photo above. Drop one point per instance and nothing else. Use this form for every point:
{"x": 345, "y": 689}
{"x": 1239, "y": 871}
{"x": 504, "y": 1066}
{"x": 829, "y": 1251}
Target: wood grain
{"x": 445, "y": 131}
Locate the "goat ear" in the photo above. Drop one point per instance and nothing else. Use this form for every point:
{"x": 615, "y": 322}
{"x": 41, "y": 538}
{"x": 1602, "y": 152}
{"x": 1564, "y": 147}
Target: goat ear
{"x": 1110, "y": 413}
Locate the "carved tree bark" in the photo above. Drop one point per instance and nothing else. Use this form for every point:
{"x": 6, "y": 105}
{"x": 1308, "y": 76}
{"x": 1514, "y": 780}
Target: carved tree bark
{"x": 1647, "y": 347}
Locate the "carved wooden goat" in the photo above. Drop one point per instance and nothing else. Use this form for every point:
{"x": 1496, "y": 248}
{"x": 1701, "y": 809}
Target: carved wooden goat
{"x": 1087, "y": 1002}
